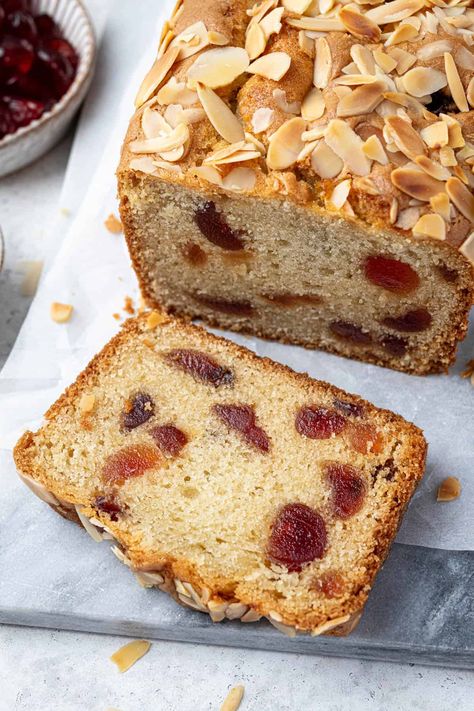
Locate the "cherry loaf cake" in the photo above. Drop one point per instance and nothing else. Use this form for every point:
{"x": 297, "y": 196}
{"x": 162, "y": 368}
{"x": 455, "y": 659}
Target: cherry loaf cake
{"x": 238, "y": 486}
{"x": 302, "y": 170}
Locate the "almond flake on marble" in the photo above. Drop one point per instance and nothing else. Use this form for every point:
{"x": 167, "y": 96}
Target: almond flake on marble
{"x": 462, "y": 197}
{"x": 271, "y": 23}
{"x": 363, "y": 58}
{"x": 322, "y": 63}
{"x": 220, "y": 115}
{"x": 435, "y": 135}
{"x": 395, "y": 11}
{"x": 325, "y": 162}
{"x": 374, "y": 150}
{"x": 240, "y": 180}
{"x": 405, "y": 137}
{"x": 191, "y": 40}
{"x": 174, "y": 92}
{"x": 449, "y": 489}
{"x": 416, "y": 183}
{"x": 440, "y": 204}
{"x": 313, "y": 106}
{"x": 255, "y": 41}
{"x": 218, "y": 67}
{"x": 129, "y": 654}
{"x": 262, "y": 119}
{"x": 359, "y": 25}
{"x": 430, "y": 225}
{"x": 436, "y": 170}
{"x": 348, "y": 146}
{"x": 271, "y": 66}
{"x": 407, "y": 218}
{"x": 156, "y": 75}
{"x": 363, "y": 100}
{"x": 293, "y": 107}
{"x": 286, "y": 144}
{"x": 421, "y": 81}
{"x": 454, "y": 82}
{"x": 175, "y": 139}
{"x": 233, "y": 699}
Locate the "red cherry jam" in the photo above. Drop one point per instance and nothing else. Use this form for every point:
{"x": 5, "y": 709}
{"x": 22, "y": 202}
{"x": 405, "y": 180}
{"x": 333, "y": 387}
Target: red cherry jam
{"x": 348, "y": 489}
{"x": 298, "y": 536}
{"x": 391, "y": 274}
{"x": 37, "y": 64}
{"x": 130, "y": 462}
{"x": 241, "y": 418}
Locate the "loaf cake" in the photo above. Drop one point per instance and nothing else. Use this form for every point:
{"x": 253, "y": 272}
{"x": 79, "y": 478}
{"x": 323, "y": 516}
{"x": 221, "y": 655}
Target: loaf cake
{"x": 302, "y": 170}
{"x": 238, "y": 486}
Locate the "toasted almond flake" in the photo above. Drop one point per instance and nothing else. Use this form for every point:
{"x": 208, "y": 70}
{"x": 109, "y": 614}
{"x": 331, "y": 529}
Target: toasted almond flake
{"x": 144, "y": 164}
{"x": 316, "y": 24}
{"x": 404, "y": 32}
{"x": 356, "y": 79}
{"x": 362, "y": 100}
{"x": 208, "y": 173}
{"x": 293, "y": 107}
{"x": 435, "y": 135}
{"x": 218, "y": 67}
{"x": 436, "y": 170}
{"x": 322, "y": 63}
{"x": 32, "y": 272}
{"x": 161, "y": 144}
{"x": 325, "y": 162}
{"x": 286, "y": 144}
{"x": 87, "y": 403}
{"x": 271, "y": 66}
{"x": 407, "y": 218}
{"x": 359, "y": 25}
{"x": 342, "y": 91}
{"x": 449, "y": 489}
{"x": 313, "y": 106}
{"x": 314, "y": 134}
{"x": 126, "y": 656}
{"x": 238, "y": 156}
{"x": 348, "y": 146}
{"x": 462, "y": 197}
{"x": 416, "y": 183}
{"x": 271, "y": 23}
{"x": 455, "y": 84}
{"x": 470, "y": 92}
{"x": 174, "y": 92}
{"x": 233, "y": 699}
{"x": 393, "y": 211}
{"x": 374, "y": 150}
{"x": 298, "y": 7}
{"x": 430, "y": 225}
{"x": 307, "y": 150}
{"x": 255, "y": 41}
{"x": 166, "y": 39}
{"x": 363, "y": 58}
{"x": 306, "y": 44}
{"x": 405, "y": 137}
{"x": 240, "y": 180}
{"x": 220, "y": 115}
{"x": 60, "y": 313}
{"x": 434, "y": 49}
{"x": 384, "y": 61}
{"x": 394, "y": 11}
{"x": 421, "y": 81}
{"x": 217, "y": 38}
{"x": 464, "y": 58}
{"x": 154, "y": 319}
{"x": 447, "y": 157}
{"x": 467, "y": 248}
{"x": 113, "y": 224}
{"x": 156, "y": 75}
{"x": 191, "y": 40}
{"x": 329, "y": 625}
{"x": 404, "y": 59}
{"x": 340, "y": 194}
{"x": 154, "y": 125}
{"x": 262, "y": 119}
{"x": 175, "y": 114}
{"x": 440, "y": 204}
{"x": 455, "y": 136}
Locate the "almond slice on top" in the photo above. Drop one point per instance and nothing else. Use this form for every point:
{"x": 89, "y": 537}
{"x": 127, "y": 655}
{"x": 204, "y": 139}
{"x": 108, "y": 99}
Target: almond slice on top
{"x": 286, "y": 144}
{"x": 436, "y": 170}
{"x": 359, "y": 25}
{"x": 271, "y": 66}
{"x": 374, "y": 150}
{"x": 462, "y": 197}
{"x": 220, "y": 115}
{"x": 322, "y": 63}
{"x": 298, "y": 7}
{"x": 363, "y": 58}
{"x": 430, "y": 225}
{"x": 325, "y": 162}
{"x": 348, "y": 146}
{"x": 255, "y": 41}
{"x": 156, "y": 75}
{"x": 362, "y": 100}
{"x": 395, "y": 11}
{"x": 416, "y": 183}
{"x": 313, "y": 106}
{"x": 340, "y": 194}
{"x": 421, "y": 81}
{"x": 454, "y": 82}
{"x": 405, "y": 137}
{"x": 163, "y": 143}
{"x": 218, "y": 67}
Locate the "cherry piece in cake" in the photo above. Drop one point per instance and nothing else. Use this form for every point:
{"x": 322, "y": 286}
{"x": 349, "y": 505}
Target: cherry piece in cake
{"x": 348, "y": 408}
{"x": 298, "y": 536}
{"x": 138, "y": 411}
{"x": 130, "y": 462}
{"x": 242, "y": 308}
{"x": 214, "y": 227}
{"x": 200, "y": 366}
{"x": 242, "y": 419}
{"x": 364, "y": 437}
{"x": 410, "y": 322}
{"x": 319, "y": 422}
{"x": 350, "y": 332}
{"x": 391, "y": 274}
{"x": 169, "y": 439}
{"x": 348, "y": 489}
{"x": 109, "y": 506}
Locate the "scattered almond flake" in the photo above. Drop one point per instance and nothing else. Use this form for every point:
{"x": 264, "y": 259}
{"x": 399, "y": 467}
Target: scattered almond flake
{"x": 393, "y": 211}
{"x": 405, "y": 137}
{"x": 348, "y": 146}
{"x": 262, "y": 119}
{"x": 404, "y": 32}
{"x": 279, "y": 96}
{"x": 240, "y": 180}
{"x": 359, "y": 25}
{"x": 468, "y": 372}
{"x": 449, "y": 489}
{"x": 271, "y": 23}
{"x": 161, "y": 144}
{"x": 459, "y": 172}
{"x": 316, "y": 24}
{"x": 363, "y": 58}
{"x": 436, "y": 170}
{"x": 404, "y": 59}
{"x": 394, "y": 11}
{"x": 217, "y": 38}
{"x": 251, "y": 139}
{"x": 455, "y": 137}
{"x": 352, "y": 68}
{"x": 307, "y": 151}
{"x": 113, "y": 224}
{"x": 87, "y": 403}
{"x": 191, "y": 40}
{"x": 170, "y": 167}
{"x": 462, "y": 197}
{"x": 341, "y": 91}
{"x": 175, "y": 114}
{"x": 255, "y": 41}
{"x": 32, "y": 272}
{"x": 154, "y": 319}
{"x": 463, "y": 57}
{"x": 126, "y": 656}
{"x": 325, "y": 6}
{"x": 271, "y": 66}
{"x": 166, "y": 40}
{"x": 407, "y": 218}
{"x": 154, "y": 124}
{"x": 144, "y": 164}
{"x": 447, "y": 157}
{"x": 374, "y": 150}
{"x": 434, "y": 49}
{"x": 322, "y": 63}
{"x": 313, "y": 106}
{"x": 440, "y": 204}
{"x": 258, "y": 10}
{"x": 234, "y": 153}
{"x": 174, "y": 92}
{"x": 218, "y": 67}
{"x": 156, "y": 75}
{"x": 286, "y": 144}
{"x": 208, "y": 173}
{"x": 467, "y": 248}
{"x": 435, "y": 135}
{"x": 340, "y": 194}
{"x": 430, "y": 225}
{"x": 60, "y": 313}
{"x": 298, "y": 7}
{"x": 220, "y": 115}
{"x": 356, "y": 79}
{"x": 116, "y": 316}
{"x": 325, "y": 162}
{"x": 421, "y": 81}
{"x": 363, "y": 100}
{"x": 235, "y": 695}
{"x": 416, "y": 183}
{"x": 306, "y": 44}
{"x": 455, "y": 84}
{"x": 384, "y": 61}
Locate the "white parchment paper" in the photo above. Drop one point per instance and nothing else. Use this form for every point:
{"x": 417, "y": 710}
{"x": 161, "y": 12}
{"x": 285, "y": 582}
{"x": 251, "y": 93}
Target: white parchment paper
{"x": 91, "y": 270}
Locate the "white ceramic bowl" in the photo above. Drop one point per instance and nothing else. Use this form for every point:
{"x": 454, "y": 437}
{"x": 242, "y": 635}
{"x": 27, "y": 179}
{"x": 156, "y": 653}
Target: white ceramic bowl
{"x": 30, "y": 142}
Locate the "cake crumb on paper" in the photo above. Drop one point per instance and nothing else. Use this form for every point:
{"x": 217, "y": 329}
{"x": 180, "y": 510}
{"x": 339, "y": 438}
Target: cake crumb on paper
{"x": 128, "y": 306}
{"x": 61, "y": 313}
{"x": 113, "y": 224}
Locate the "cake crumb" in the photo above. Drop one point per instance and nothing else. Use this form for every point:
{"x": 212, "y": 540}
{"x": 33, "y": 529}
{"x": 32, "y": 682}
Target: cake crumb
{"x": 126, "y": 656}
{"x": 113, "y": 224}
{"x": 61, "y": 313}
{"x": 32, "y": 273}
{"x": 116, "y": 316}
{"x": 449, "y": 489}
{"x": 233, "y": 699}
{"x": 128, "y": 306}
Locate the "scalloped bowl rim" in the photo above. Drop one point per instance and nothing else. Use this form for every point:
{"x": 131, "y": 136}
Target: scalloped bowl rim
{"x": 80, "y": 79}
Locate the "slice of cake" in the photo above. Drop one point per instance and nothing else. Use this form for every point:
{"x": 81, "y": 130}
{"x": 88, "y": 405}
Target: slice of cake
{"x": 238, "y": 486}
{"x": 305, "y": 174}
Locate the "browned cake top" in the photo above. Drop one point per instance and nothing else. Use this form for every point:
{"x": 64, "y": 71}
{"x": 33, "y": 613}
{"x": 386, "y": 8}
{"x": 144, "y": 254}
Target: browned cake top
{"x": 359, "y": 108}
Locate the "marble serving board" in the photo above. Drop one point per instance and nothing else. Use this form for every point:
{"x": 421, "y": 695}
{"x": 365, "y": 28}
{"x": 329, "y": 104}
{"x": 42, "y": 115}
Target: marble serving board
{"x": 53, "y": 575}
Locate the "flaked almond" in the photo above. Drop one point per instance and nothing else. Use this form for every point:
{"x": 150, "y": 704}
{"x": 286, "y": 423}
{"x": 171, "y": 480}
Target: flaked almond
{"x": 404, "y": 32}
{"x": 306, "y": 44}
{"x": 316, "y": 24}
{"x": 298, "y": 7}
{"x": 462, "y": 197}
{"x": 435, "y": 135}
{"x": 154, "y": 124}
{"x": 404, "y": 59}
{"x": 454, "y": 82}
{"x": 220, "y": 115}
{"x": 240, "y": 180}
{"x": 208, "y": 173}
{"x": 421, "y": 81}
{"x": 436, "y": 170}
{"x": 161, "y": 144}
{"x": 288, "y": 107}
{"x": 348, "y": 146}
{"x": 286, "y": 144}
{"x": 322, "y": 63}
{"x": 235, "y": 153}
{"x": 175, "y": 114}
{"x": 470, "y": 92}
{"x": 233, "y": 699}
{"x": 374, "y": 150}
{"x": 271, "y": 23}
{"x": 262, "y": 119}
{"x": 217, "y": 38}
{"x": 255, "y": 41}
{"x": 434, "y": 49}
{"x": 430, "y": 225}
{"x": 407, "y": 218}
{"x": 271, "y": 66}
{"x": 362, "y": 100}
{"x": 395, "y": 11}
{"x": 218, "y": 67}
{"x": 393, "y": 214}
{"x": 447, "y": 157}
{"x": 325, "y": 162}
{"x": 359, "y": 25}
{"x": 363, "y": 58}
{"x": 340, "y": 194}
{"x": 467, "y": 248}
{"x": 87, "y": 403}
{"x": 61, "y": 313}
{"x": 113, "y": 224}
{"x": 156, "y": 75}
{"x": 416, "y": 183}
{"x": 455, "y": 135}
{"x": 126, "y": 656}
{"x": 313, "y": 106}
{"x": 144, "y": 164}
{"x": 449, "y": 489}
{"x": 405, "y": 137}
{"x": 259, "y": 9}
{"x": 356, "y": 79}
{"x": 464, "y": 58}
{"x": 440, "y": 204}
{"x": 174, "y": 92}
{"x": 191, "y": 40}
{"x": 384, "y": 61}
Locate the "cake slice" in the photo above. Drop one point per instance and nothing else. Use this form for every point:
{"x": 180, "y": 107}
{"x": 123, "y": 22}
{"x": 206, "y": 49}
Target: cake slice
{"x": 238, "y": 486}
